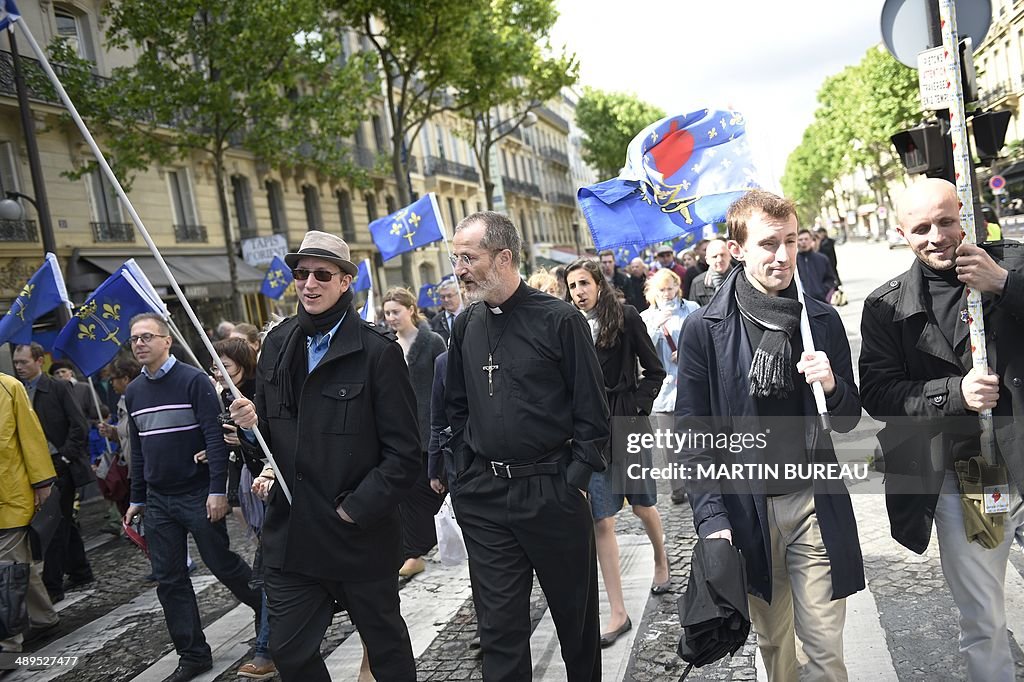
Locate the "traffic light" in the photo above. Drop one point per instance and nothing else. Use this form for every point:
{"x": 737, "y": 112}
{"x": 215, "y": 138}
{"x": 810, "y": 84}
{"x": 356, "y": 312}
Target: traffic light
{"x": 922, "y": 150}
{"x": 989, "y": 134}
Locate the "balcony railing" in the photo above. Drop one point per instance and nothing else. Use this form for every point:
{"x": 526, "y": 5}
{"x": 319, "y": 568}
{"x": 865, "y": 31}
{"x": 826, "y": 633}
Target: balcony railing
{"x": 562, "y": 198}
{"x": 437, "y": 166}
{"x": 190, "y": 233}
{"x": 36, "y": 82}
{"x": 113, "y": 232}
{"x": 556, "y": 155}
{"x": 18, "y": 231}
{"x": 519, "y": 187}
{"x": 998, "y": 91}
{"x": 553, "y": 117}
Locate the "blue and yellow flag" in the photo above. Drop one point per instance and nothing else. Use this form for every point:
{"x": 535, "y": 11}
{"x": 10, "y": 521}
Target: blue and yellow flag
{"x": 681, "y": 174}
{"x": 363, "y": 280}
{"x": 101, "y": 325}
{"x": 278, "y": 277}
{"x": 429, "y": 296}
{"x": 8, "y": 14}
{"x": 625, "y": 254}
{"x": 44, "y": 291}
{"x": 416, "y": 225}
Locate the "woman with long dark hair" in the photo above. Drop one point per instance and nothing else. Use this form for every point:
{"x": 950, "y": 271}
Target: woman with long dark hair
{"x": 421, "y": 347}
{"x": 621, "y": 339}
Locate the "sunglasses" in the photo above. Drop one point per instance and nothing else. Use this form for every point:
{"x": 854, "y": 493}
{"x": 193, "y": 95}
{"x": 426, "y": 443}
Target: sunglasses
{"x": 302, "y": 274}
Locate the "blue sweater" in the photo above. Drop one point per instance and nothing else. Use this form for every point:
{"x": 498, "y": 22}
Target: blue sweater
{"x": 172, "y": 418}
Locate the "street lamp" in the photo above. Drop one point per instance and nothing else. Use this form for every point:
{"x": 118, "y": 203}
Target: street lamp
{"x": 11, "y": 209}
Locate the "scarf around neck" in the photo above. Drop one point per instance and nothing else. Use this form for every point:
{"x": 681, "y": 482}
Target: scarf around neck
{"x": 779, "y": 316}
{"x": 293, "y": 358}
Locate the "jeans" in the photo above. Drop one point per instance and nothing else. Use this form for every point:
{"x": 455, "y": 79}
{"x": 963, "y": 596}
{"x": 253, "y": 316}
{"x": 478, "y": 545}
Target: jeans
{"x": 263, "y": 638}
{"x": 168, "y": 521}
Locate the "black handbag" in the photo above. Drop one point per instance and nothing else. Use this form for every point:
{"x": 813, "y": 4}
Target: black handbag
{"x": 13, "y": 607}
{"x": 44, "y": 524}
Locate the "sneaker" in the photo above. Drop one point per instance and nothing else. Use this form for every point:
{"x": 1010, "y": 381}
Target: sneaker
{"x": 256, "y": 671}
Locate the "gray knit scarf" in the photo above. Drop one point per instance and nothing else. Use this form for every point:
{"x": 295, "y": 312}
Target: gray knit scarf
{"x": 770, "y": 372}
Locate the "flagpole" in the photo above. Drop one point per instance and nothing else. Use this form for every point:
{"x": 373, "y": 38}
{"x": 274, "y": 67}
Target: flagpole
{"x": 808, "y": 343}
{"x": 137, "y": 220}
{"x": 447, "y": 246}
{"x": 99, "y": 413}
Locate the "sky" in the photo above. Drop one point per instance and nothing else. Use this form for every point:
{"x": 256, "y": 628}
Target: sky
{"x": 764, "y": 58}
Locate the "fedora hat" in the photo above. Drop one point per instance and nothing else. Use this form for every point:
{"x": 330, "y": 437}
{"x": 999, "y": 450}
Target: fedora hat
{"x": 326, "y": 246}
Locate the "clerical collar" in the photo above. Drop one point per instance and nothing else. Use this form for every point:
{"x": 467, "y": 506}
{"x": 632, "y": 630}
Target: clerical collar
{"x": 509, "y": 305}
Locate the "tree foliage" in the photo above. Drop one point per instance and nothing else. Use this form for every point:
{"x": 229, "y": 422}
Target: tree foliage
{"x": 511, "y": 70}
{"x": 859, "y": 109}
{"x": 609, "y": 121}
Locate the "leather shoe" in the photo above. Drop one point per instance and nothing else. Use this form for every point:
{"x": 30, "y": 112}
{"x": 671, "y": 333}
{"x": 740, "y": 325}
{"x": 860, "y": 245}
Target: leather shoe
{"x": 188, "y": 671}
{"x": 678, "y": 496}
{"x": 662, "y": 588}
{"x": 257, "y": 672}
{"x": 71, "y": 583}
{"x": 609, "y": 638}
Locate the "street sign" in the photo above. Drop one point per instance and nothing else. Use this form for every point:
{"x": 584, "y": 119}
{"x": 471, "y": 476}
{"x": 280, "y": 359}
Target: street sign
{"x": 261, "y": 250}
{"x": 931, "y": 79}
{"x": 997, "y": 183}
{"x": 905, "y": 26}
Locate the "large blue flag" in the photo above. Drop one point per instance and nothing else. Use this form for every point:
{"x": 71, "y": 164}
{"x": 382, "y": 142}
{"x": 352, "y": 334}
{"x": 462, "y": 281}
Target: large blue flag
{"x": 681, "y": 173}
{"x": 625, "y": 254}
{"x": 44, "y": 291}
{"x": 363, "y": 280}
{"x": 8, "y": 13}
{"x": 429, "y": 296}
{"x": 101, "y": 325}
{"x": 416, "y": 225}
{"x": 277, "y": 279}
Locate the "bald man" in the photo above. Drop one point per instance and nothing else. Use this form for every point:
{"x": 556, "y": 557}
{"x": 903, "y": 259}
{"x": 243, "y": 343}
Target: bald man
{"x": 917, "y": 376}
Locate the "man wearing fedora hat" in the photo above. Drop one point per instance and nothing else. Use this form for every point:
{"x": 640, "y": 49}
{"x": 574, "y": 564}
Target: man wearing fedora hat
{"x": 336, "y": 406}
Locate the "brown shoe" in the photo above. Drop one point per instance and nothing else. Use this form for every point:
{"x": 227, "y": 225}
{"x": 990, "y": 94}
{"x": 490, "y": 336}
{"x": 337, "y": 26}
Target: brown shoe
{"x": 258, "y": 672}
{"x": 412, "y": 567}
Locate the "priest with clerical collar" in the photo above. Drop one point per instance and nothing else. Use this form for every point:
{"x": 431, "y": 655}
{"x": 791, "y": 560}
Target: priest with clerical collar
{"x": 525, "y": 400}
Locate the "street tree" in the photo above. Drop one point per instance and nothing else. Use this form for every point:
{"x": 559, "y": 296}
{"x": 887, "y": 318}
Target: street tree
{"x": 512, "y": 70}
{"x": 421, "y": 48}
{"x": 609, "y": 121}
{"x": 215, "y": 74}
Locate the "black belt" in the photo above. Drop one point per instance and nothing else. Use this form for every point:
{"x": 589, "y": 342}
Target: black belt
{"x": 503, "y": 470}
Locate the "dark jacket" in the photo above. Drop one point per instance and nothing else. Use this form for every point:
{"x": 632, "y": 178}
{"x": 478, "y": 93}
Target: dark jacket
{"x": 701, "y": 292}
{"x": 714, "y": 397}
{"x": 628, "y": 395}
{"x": 436, "y": 467}
{"x": 439, "y": 325}
{"x": 352, "y": 439}
{"x": 827, "y": 248}
{"x": 815, "y": 274}
{"x": 909, "y": 371}
{"x": 65, "y": 427}
{"x": 424, "y": 350}
{"x": 635, "y": 293}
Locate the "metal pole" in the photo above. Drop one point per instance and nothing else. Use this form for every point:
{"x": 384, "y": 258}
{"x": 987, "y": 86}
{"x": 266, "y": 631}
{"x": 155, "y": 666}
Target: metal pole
{"x": 965, "y": 192}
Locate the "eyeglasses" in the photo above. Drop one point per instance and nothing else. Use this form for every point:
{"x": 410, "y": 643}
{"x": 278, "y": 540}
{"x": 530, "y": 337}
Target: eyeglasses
{"x": 145, "y": 338}
{"x": 465, "y": 260}
{"x": 301, "y": 274}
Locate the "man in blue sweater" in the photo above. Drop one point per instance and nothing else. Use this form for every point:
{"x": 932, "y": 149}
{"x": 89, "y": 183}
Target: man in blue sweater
{"x": 173, "y": 409}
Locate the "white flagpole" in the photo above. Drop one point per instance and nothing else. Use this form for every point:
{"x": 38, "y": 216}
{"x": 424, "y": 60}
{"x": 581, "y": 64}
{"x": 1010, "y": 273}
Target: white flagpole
{"x": 447, "y": 246}
{"x": 137, "y": 220}
{"x": 808, "y": 344}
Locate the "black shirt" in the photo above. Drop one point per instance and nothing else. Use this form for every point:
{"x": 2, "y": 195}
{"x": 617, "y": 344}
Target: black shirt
{"x": 945, "y": 294}
{"x": 546, "y": 390}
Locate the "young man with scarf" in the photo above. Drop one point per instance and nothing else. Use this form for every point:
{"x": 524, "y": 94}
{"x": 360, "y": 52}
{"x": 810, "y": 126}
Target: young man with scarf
{"x": 744, "y": 372}
{"x": 918, "y": 377}
{"x": 336, "y": 406}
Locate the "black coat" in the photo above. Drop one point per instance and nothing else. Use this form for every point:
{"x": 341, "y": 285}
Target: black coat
{"x": 424, "y": 350}
{"x": 65, "y": 427}
{"x": 352, "y": 439}
{"x": 714, "y": 396}
{"x": 439, "y": 326}
{"x": 909, "y": 371}
{"x": 815, "y": 274}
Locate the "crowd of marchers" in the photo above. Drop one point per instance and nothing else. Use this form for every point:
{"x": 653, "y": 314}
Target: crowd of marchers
{"x": 508, "y": 400}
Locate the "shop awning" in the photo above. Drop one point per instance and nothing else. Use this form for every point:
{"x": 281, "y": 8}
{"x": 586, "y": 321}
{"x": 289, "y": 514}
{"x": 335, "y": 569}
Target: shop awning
{"x": 200, "y": 275}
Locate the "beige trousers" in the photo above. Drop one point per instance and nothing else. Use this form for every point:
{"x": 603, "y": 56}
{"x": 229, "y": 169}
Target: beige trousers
{"x": 802, "y": 604}
{"x": 14, "y": 547}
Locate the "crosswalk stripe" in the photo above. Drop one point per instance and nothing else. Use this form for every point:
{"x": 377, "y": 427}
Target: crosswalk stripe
{"x": 429, "y": 601}
{"x": 98, "y": 633}
{"x": 72, "y": 598}
{"x": 228, "y": 639}
{"x": 636, "y": 559}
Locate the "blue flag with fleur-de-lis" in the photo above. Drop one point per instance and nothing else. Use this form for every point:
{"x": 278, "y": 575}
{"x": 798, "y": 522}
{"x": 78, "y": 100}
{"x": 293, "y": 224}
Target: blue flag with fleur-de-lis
{"x": 416, "y": 225}
{"x": 8, "y": 14}
{"x": 43, "y": 292}
{"x": 277, "y": 279}
{"x": 429, "y": 296}
{"x": 100, "y": 326}
{"x": 681, "y": 173}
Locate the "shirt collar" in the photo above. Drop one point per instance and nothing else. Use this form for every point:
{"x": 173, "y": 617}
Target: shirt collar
{"x": 32, "y": 383}
{"x": 328, "y": 336}
{"x": 164, "y": 368}
{"x": 509, "y": 305}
